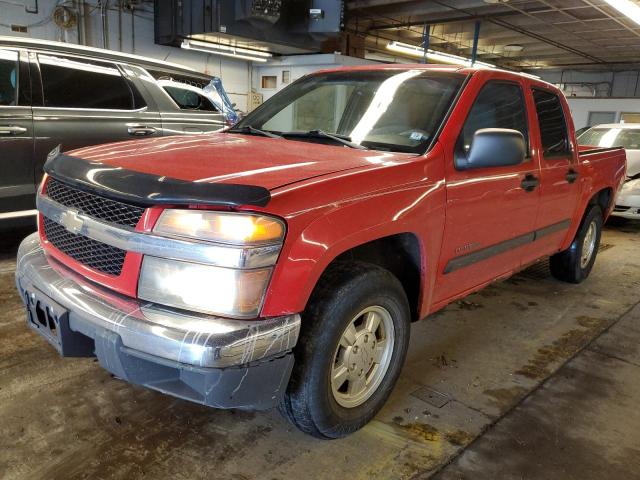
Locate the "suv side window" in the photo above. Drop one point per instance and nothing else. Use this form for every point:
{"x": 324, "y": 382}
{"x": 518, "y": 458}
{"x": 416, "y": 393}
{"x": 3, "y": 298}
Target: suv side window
{"x": 553, "y": 125}
{"x": 79, "y": 83}
{"x": 190, "y": 100}
{"x": 8, "y": 78}
{"x": 498, "y": 105}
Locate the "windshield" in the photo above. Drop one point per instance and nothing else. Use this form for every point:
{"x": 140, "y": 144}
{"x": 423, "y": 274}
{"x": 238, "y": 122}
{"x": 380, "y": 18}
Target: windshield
{"x": 384, "y": 110}
{"x": 611, "y": 137}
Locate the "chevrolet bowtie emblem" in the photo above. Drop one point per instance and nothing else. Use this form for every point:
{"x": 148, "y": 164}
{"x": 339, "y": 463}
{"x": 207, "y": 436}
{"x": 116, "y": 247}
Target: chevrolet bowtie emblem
{"x": 72, "y": 221}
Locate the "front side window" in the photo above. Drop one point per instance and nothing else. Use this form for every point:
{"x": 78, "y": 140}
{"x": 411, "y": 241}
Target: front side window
{"x": 8, "y": 78}
{"x": 79, "y": 83}
{"x": 385, "y": 110}
{"x": 498, "y": 105}
{"x": 553, "y": 126}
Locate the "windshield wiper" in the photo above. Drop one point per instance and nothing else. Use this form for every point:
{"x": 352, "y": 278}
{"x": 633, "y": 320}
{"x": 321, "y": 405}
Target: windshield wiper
{"x": 337, "y": 138}
{"x": 254, "y": 130}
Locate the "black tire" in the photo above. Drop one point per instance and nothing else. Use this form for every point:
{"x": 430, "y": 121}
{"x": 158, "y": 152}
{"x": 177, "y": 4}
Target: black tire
{"x": 567, "y": 265}
{"x": 343, "y": 291}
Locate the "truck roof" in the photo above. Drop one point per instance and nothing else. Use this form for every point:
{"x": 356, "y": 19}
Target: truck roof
{"x": 61, "y": 47}
{"x": 437, "y": 67}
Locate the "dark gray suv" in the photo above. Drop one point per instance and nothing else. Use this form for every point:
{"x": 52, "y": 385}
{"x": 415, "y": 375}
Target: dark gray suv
{"x": 57, "y": 94}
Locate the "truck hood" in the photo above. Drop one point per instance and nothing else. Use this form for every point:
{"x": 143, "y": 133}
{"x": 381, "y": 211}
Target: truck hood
{"x": 233, "y": 158}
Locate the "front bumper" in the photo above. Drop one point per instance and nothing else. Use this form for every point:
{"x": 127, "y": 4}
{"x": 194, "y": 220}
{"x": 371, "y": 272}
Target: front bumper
{"x": 632, "y": 213}
{"x": 627, "y": 204}
{"x": 216, "y": 361}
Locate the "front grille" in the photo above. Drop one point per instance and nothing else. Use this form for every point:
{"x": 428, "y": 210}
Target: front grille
{"x": 621, "y": 208}
{"x": 89, "y": 252}
{"x": 94, "y": 205}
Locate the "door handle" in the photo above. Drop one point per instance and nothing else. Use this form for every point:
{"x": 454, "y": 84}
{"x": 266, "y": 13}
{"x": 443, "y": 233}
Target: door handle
{"x": 572, "y": 175}
{"x": 140, "y": 130}
{"x": 530, "y": 182}
{"x": 12, "y": 130}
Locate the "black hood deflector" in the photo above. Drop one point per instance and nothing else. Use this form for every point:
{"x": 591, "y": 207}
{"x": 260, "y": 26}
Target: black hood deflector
{"x": 147, "y": 189}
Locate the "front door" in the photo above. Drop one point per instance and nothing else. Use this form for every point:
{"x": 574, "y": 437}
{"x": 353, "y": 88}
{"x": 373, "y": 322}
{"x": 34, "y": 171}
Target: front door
{"x": 490, "y": 212}
{"x": 17, "y": 188}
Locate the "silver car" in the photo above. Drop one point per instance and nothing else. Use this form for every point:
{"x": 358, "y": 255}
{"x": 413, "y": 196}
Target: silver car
{"x": 625, "y": 135}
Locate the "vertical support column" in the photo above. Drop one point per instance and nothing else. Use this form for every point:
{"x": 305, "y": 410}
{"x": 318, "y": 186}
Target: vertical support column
{"x": 425, "y": 41}
{"x": 476, "y": 36}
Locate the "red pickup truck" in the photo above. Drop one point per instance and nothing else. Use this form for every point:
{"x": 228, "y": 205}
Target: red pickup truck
{"x": 281, "y": 262}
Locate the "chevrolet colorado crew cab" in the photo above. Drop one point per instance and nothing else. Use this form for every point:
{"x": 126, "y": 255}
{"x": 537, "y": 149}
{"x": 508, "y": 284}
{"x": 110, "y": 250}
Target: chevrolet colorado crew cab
{"x": 282, "y": 261}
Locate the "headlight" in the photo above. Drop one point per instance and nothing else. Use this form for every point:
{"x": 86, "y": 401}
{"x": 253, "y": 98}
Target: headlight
{"x": 224, "y": 227}
{"x": 203, "y": 288}
{"x": 225, "y": 287}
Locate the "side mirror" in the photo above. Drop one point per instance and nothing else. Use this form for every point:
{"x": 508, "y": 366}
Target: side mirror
{"x": 493, "y": 147}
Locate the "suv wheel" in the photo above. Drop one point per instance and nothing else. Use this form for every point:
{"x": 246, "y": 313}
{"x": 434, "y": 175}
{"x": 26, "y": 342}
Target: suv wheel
{"x": 354, "y": 338}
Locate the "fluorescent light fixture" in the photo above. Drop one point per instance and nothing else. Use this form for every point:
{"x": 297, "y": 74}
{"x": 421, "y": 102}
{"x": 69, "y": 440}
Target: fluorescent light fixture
{"x": 226, "y": 50}
{"x": 513, "y": 47}
{"x": 627, "y": 8}
{"x": 416, "y": 51}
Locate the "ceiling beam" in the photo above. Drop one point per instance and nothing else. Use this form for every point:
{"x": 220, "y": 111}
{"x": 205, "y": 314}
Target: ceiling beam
{"x": 559, "y": 45}
{"x": 615, "y": 19}
{"x": 455, "y": 19}
{"x": 523, "y": 31}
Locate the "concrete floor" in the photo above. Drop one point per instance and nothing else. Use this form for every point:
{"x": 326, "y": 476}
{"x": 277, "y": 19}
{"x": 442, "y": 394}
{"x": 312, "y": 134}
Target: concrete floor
{"x": 530, "y": 378}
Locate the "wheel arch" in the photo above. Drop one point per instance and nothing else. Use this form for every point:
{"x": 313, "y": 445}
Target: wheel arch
{"x": 400, "y": 254}
{"x": 604, "y": 199}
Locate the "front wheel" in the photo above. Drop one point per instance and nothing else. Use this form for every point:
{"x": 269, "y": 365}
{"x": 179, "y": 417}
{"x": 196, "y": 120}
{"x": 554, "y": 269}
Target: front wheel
{"x": 574, "y": 264}
{"x": 354, "y": 339}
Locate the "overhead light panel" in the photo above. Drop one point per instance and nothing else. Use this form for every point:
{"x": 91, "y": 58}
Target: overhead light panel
{"x": 513, "y": 47}
{"x": 226, "y": 50}
{"x": 419, "y": 52}
{"x": 627, "y": 8}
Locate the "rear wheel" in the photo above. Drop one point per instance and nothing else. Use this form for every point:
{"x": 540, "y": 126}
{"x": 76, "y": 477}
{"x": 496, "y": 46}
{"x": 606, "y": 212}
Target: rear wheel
{"x": 574, "y": 264}
{"x": 350, "y": 352}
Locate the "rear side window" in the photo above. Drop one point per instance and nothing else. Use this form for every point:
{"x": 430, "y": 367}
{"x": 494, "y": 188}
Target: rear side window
{"x": 553, "y": 125}
{"x": 79, "y": 83}
{"x": 8, "y": 78}
{"x": 498, "y": 105}
{"x": 190, "y": 100}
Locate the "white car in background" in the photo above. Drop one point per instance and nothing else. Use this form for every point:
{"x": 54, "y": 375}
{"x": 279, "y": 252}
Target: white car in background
{"x": 625, "y": 135}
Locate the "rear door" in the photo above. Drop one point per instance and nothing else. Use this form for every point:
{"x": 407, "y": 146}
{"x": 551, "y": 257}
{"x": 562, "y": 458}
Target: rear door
{"x": 87, "y": 102}
{"x": 560, "y": 181}
{"x": 490, "y": 214}
{"x": 17, "y": 188}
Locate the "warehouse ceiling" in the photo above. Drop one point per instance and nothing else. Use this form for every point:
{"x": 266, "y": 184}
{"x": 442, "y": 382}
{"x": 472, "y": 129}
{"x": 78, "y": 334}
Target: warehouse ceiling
{"x": 517, "y": 34}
